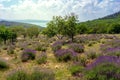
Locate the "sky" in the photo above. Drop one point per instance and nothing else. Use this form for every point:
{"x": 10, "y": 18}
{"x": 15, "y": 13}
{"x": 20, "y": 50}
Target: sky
{"x": 46, "y": 9}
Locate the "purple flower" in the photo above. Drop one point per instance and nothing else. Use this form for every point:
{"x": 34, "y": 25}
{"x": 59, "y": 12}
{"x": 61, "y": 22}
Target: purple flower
{"x": 77, "y": 47}
{"x": 65, "y": 54}
{"x": 57, "y": 45}
{"x": 29, "y": 51}
{"x": 104, "y": 59}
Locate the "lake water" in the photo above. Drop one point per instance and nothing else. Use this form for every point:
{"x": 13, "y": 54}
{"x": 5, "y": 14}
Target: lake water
{"x": 41, "y": 23}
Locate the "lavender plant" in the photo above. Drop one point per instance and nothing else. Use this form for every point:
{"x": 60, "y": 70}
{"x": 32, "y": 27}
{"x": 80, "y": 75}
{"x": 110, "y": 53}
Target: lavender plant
{"x": 42, "y": 74}
{"x": 77, "y": 47}
{"x": 57, "y": 45}
{"x": 111, "y": 48}
{"x": 17, "y": 74}
{"x": 65, "y": 55}
{"x": 41, "y": 58}
{"x": 28, "y": 54}
{"x": 104, "y": 68}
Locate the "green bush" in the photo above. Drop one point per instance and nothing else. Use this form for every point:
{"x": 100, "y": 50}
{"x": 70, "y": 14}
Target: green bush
{"x": 42, "y": 58}
{"x": 42, "y": 74}
{"x": 3, "y": 64}
{"x": 91, "y": 54}
{"x": 17, "y": 75}
{"x": 75, "y": 69}
{"x": 10, "y": 50}
{"x": 41, "y": 48}
{"x": 82, "y": 60}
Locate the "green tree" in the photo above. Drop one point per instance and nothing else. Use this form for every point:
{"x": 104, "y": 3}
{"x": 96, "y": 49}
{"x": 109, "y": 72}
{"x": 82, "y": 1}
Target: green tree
{"x": 81, "y": 28}
{"x": 50, "y": 31}
{"x": 65, "y": 26}
{"x": 19, "y": 30}
{"x": 33, "y": 31}
{"x": 55, "y": 27}
{"x": 7, "y": 34}
{"x": 114, "y": 28}
{"x": 70, "y": 26}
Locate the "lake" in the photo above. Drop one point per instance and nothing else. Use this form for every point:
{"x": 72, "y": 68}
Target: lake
{"x": 41, "y": 23}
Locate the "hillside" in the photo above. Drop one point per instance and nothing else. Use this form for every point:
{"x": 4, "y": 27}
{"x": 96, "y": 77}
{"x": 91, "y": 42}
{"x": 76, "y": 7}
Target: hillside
{"x": 13, "y": 23}
{"x": 106, "y": 24}
{"x": 112, "y": 16}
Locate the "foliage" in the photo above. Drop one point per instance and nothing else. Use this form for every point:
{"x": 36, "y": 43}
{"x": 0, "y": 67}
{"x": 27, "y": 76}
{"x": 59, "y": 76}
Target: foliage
{"x": 81, "y": 28}
{"x": 19, "y": 30}
{"x": 65, "y": 26}
{"x": 42, "y": 74}
{"x": 17, "y": 75}
{"x": 33, "y": 31}
{"x": 28, "y": 54}
{"x": 7, "y": 34}
{"x": 75, "y": 69}
{"x": 10, "y": 49}
{"x": 3, "y": 64}
{"x": 82, "y": 60}
{"x": 41, "y": 47}
{"x": 91, "y": 54}
{"x": 41, "y": 58}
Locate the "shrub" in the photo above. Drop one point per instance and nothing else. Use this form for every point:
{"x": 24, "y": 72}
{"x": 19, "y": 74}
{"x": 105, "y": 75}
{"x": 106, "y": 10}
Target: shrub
{"x": 42, "y": 74}
{"x": 104, "y": 72}
{"x": 91, "y": 54}
{"x": 28, "y": 54}
{"x": 3, "y": 64}
{"x": 10, "y": 49}
{"x": 75, "y": 70}
{"x": 17, "y": 75}
{"x": 65, "y": 55}
{"x": 82, "y": 60}
{"x": 42, "y": 58}
{"x": 41, "y": 47}
{"x": 57, "y": 45}
{"x": 104, "y": 68}
{"x": 77, "y": 47}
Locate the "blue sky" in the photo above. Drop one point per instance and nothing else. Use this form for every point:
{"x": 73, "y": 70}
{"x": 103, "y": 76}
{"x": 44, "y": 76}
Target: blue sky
{"x": 45, "y": 9}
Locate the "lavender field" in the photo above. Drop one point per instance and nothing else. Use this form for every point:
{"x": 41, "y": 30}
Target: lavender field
{"x": 59, "y": 39}
{"x": 89, "y": 57}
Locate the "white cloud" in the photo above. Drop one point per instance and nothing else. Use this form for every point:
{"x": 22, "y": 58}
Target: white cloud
{"x": 45, "y": 9}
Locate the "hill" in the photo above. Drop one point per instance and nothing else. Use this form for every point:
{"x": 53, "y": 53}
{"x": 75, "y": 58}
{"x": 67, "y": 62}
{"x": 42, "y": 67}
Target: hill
{"x": 102, "y": 25}
{"x": 112, "y": 16}
{"x": 13, "y": 23}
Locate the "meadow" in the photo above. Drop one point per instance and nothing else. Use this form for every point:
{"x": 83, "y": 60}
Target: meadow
{"x": 43, "y": 58}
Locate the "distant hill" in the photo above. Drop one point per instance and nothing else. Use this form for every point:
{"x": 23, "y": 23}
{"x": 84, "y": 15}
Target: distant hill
{"x": 110, "y": 19}
{"x": 112, "y": 16}
{"x": 13, "y": 23}
{"x": 104, "y": 24}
